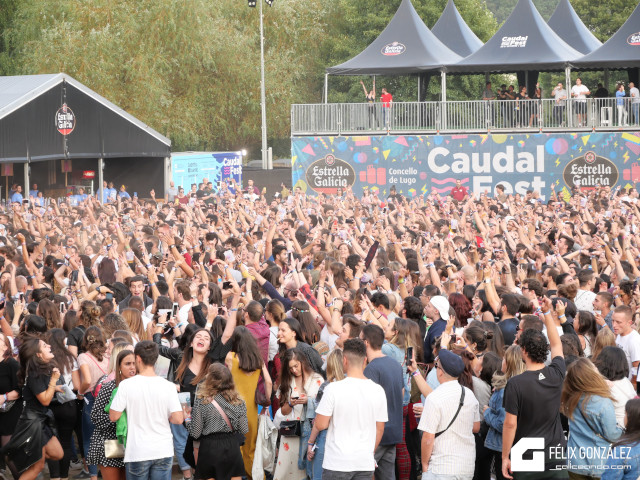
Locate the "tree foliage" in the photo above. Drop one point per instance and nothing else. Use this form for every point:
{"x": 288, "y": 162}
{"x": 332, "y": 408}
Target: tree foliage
{"x": 603, "y": 19}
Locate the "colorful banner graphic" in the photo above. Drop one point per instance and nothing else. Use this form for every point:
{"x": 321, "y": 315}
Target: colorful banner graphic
{"x": 188, "y": 168}
{"x": 419, "y": 164}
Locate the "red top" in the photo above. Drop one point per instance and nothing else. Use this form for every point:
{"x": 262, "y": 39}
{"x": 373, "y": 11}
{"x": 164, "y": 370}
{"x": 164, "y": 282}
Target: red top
{"x": 386, "y": 99}
{"x": 459, "y": 193}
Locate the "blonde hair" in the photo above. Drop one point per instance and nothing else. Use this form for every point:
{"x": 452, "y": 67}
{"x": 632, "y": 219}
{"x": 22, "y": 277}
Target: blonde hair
{"x": 335, "y": 371}
{"x": 117, "y": 348}
{"x": 514, "y": 365}
{"x": 604, "y": 338}
{"x": 582, "y": 379}
{"x": 133, "y": 317}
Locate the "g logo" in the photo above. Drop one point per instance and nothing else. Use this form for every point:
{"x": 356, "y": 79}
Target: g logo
{"x": 536, "y": 464}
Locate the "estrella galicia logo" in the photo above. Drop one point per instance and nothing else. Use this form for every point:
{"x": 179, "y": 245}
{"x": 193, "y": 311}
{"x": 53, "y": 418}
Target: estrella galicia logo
{"x": 536, "y": 463}
{"x": 634, "y": 39}
{"x": 392, "y": 49}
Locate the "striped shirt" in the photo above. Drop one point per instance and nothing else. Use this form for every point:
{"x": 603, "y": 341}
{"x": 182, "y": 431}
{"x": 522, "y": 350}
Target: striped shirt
{"x": 454, "y": 452}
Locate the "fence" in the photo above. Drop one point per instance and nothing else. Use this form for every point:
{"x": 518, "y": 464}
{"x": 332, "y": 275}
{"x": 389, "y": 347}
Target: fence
{"x": 465, "y": 116}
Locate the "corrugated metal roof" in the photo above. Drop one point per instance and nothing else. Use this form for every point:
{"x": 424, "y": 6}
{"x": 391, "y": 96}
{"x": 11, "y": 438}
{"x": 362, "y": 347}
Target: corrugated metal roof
{"x": 17, "y": 91}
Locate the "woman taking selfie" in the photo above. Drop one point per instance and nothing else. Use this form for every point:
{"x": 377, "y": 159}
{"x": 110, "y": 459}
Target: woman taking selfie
{"x": 105, "y": 429}
{"x": 218, "y": 415}
{"x": 299, "y": 385}
{"x": 34, "y": 439}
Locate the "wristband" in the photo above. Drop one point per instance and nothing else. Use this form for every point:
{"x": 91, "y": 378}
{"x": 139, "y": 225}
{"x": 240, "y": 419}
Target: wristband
{"x": 400, "y": 281}
{"x": 562, "y": 316}
{"x": 415, "y": 373}
{"x": 548, "y": 312}
{"x": 233, "y": 309}
{"x": 6, "y": 399}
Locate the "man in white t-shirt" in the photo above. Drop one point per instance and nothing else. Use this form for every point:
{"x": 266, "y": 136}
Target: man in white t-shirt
{"x": 355, "y": 411}
{"x": 448, "y": 444}
{"x": 627, "y": 338}
{"x": 151, "y": 403}
{"x": 579, "y": 92}
{"x": 585, "y": 296}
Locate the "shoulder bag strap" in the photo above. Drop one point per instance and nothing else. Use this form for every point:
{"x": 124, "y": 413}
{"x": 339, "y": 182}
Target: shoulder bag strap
{"x": 455, "y": 416}
{"x": 224, "y": 415}
{"x": 97, "y": 364}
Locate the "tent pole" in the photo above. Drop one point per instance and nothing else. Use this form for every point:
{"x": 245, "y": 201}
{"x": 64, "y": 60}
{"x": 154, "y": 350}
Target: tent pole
{"x": 167, "y": 176}
{"x": 443, "y": 104}
{"x": 26, "y": 181}
{"x": 418, "y": 88}
{"x": 326, "y": 88}
{"x": 567, "y": 79}
{"x": 100, "y": 180}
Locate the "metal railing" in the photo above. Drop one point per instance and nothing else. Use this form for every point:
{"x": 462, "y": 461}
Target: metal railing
{"x": 465, "y": 116}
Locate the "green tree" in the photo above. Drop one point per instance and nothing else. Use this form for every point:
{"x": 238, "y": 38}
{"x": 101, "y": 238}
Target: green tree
{"x": 501, "y": 9}
{"x": 188, "y": 68}
{"x": 603, "y": 19}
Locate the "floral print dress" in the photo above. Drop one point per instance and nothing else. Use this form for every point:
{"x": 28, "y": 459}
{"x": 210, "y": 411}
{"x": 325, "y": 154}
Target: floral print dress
{"x": 287, "y": 463}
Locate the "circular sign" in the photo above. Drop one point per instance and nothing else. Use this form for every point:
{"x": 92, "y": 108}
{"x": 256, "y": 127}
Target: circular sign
{"x": 634, "y": 39}
{"x": 65, "y": 120}
{"x": 392, "y": 49}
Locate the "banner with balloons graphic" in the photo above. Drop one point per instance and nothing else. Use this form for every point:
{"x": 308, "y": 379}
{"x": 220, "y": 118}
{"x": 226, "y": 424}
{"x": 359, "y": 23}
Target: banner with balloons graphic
{"x": 420, "y": 164}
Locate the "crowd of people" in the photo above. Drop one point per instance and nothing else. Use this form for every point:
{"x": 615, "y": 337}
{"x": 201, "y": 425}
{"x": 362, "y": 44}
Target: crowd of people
{"x": 322, "y": 336}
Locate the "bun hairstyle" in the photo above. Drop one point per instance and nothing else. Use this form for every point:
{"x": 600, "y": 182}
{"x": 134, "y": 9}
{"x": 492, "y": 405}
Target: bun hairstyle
{"x": 93, "y": 342}
{"x": 476, "y": 333}
{"x": 89, "y": 314}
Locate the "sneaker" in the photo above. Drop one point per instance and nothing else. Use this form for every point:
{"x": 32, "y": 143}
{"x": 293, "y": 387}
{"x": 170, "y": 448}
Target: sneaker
{"x": 76, "y": 464}
{"x": 82, "y": 475}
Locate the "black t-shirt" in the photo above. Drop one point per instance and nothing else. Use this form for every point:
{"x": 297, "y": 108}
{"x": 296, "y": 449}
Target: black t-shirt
{"x": 534, "y": 397}
{"x": 75, "y": 336}
{"x": 35, "y": 385}
{"x": 9, "y": 375}
{"x": 218, "y": 350}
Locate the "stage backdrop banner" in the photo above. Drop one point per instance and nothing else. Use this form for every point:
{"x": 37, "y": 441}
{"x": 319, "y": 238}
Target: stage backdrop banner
{"x": 419, "y": 164}
{"x": 188, "y": 168}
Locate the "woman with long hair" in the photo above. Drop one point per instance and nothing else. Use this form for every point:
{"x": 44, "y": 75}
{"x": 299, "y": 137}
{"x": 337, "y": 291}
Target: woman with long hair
{"x": 274, "y": 313}
{"x": 93, "y": 365}
{"x": 50, "y": 312}
{"x": 290, "y": 336}
{"x": 490, "y": 364}
{"x": 301, "y": 311}
{"x": 463, "y": 308}
{"x": 246, "y": 365}
{"x": 494, "y": 413}
{"x": 310, "y": 435}
{"x": 36, "y": 426}
{"x": 588, "y": 404}
{"x": 218, "y": 414}
{"x": 299, "y": 385}
{"x": 623, "y": 461}
{"x": 133, "y": 317}
{"x": 192, "y": 369}
{"x": 605, "y": 338}
{"x": 587, "y": 329}
{"x": 105, "y": 429}
{"x": 10, "y": 393}
{"x": 613, "y": 366}
{"x": 65, "y": 412}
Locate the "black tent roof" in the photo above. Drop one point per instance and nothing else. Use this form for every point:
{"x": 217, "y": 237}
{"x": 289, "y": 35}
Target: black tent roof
{"x": 405, "y": 46}
{"x": 28, "y": 132}
{"x": 566, "y": 23}
{"x": 452, "y": 30}
{"x": 524, "y": 42}
{"x": 622, "y": 50}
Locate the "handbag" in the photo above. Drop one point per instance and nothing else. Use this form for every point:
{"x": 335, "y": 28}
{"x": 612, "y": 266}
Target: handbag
{"x": 290, "y": 428}
{"x": 113, "y": 449}
{"x": 238, "y": 436}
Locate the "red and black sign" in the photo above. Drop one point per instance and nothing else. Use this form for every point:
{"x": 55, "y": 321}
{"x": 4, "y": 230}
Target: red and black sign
{"x": 65, "y": 120}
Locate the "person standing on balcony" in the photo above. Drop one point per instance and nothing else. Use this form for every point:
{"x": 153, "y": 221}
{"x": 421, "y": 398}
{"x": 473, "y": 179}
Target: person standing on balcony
{"x": 579, "y": 92}
{"x": 560, "y": 96}
{"x": 634, "y": 93}
{"x": 489, "y": 97}
{"x": 371, "y": 100}
{"x": 623, "y": 115}
{"x": 504, "y": 106}
{"x": 535, "y": 108}
{"x": 387, "y": 100}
